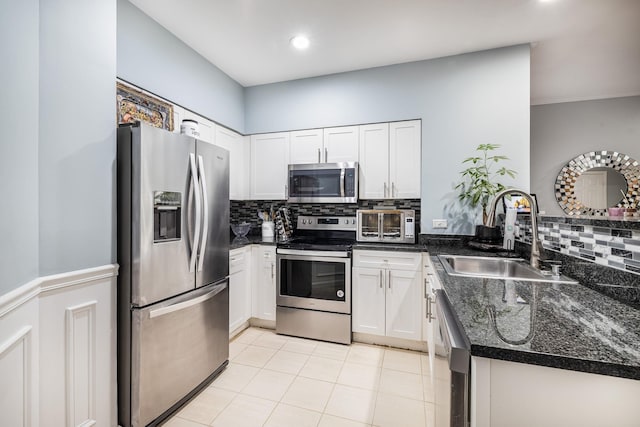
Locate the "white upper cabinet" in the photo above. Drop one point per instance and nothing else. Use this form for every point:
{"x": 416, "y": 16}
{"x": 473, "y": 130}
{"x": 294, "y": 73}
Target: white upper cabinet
{"x": 374, "y": 161}
{"x": 340, "y": 144}
{"x": 269, "y": 162}
{"x": 306, "y": 146}
{"x": 390, "y": 160}
{"x": 330, "y": 145}
{"x": 238, "y": 147}
{"x": 205, "y": 127}
{"x": 405, "y": 159}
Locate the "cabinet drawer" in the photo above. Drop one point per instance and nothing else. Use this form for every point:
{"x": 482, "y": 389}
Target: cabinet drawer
{"x": 237, "y": 259}
{"x": 387, "y": 259}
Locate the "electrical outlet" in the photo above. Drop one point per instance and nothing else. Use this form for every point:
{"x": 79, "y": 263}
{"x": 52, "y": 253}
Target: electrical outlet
{"x": 439, "y": 223}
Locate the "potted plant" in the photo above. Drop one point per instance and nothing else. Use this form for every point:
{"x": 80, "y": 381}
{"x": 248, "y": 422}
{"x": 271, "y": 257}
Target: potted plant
{"x": 480, "y": 184}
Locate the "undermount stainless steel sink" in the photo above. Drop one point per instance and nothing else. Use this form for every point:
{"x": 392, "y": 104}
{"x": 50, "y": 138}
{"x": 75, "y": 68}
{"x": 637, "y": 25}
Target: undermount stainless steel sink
{"x": 498, "y": 268}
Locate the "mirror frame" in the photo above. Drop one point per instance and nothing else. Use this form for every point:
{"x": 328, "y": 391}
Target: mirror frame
{"x": 566, "y": 180}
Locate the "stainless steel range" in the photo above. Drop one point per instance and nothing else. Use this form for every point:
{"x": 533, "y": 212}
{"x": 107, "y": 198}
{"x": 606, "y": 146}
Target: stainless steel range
{"x": 314, "y": 279}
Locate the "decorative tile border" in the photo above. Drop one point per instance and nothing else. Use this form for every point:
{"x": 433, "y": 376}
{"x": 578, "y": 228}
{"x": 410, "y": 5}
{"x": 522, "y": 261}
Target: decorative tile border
{"x": 611, "y": 246}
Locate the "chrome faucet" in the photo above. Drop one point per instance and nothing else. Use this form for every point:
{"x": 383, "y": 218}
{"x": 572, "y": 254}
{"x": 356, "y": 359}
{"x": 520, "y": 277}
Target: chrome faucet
{"x": 536, "y": 247}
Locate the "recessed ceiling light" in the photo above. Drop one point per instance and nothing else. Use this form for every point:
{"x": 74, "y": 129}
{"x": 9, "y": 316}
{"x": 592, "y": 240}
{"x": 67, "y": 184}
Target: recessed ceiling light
{"x": 300, "y": 42}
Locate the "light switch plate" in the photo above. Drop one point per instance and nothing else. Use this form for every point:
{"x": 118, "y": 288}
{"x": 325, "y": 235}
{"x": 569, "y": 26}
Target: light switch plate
{"x": 439, "y": 223}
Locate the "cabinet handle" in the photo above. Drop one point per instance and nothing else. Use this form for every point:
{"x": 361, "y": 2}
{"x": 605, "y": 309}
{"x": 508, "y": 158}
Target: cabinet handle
{"x": 393, "y": 189}
{"x": 319, "y": 156}
{"x": 380, "y": 279}
{"x": 429, "y": 313}
{"x": 389, "y": 276}
{"x": 425, "y": 287}
{"x": 286, "y": 191}
{"x": 326, "y": 154}
{"x": 385, "y": 190}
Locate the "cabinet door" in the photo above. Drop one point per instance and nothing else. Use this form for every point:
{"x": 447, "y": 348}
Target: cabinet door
{"x": 266, "y": 284}
{"x": 405, "y": 159}
{"x": 306, "y": 146}
{"x": 205, "y": 127}
{"x": 368, "y": 300}
{"x": 269, "y": 161}
{"x": 341, "y": 144}
{"x": 428, "y": 324}
{"x": 404, "y": 304}
{"x": 238, "y": 147}
{"x": 374, "y": 161}
{"x": 239, "y": 287}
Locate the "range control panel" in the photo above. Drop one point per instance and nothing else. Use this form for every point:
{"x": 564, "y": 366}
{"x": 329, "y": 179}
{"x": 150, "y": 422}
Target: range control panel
{"x": 340, "y": 223}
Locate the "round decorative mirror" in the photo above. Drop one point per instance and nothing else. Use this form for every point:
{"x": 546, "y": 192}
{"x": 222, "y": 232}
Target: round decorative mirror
{"x": 597, "y": 180}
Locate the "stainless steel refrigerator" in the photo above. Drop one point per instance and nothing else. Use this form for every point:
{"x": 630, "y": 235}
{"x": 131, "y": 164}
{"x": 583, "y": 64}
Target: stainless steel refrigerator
{"x": 173, "y": 251}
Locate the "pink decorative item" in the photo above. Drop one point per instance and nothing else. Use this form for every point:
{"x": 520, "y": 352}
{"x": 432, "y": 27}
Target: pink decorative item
{"x": 616, "y": 211}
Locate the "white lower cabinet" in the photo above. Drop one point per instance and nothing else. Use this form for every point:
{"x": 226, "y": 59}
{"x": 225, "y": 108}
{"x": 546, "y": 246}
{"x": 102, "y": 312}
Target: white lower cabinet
{"x": 239, "y": 288}
{"x": 505, "y": 394}
{"x": 263, "y": 304}
{"x": 387, "y": 294}
{"x": 430, "y": 327}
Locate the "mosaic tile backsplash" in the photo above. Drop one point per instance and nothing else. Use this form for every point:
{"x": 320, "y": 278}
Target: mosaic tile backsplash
{"x": 247, "y": 210}
{"x": 608, "y": 243}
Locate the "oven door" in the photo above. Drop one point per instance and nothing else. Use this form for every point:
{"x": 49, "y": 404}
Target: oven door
{"x": 314, "y": 280}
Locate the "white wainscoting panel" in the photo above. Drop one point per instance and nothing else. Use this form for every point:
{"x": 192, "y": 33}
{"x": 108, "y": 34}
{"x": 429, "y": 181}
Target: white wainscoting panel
{"x": 19, "y": 347}
{"x": 78, "y": 333}
{"x": 58, "y": 351}
{"x": 81, "y": 364}
{"x": 16, "y": 372}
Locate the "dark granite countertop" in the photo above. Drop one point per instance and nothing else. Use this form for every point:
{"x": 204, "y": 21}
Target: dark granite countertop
{"x": 562, "y": 326}
{"x": 239, "y": 242}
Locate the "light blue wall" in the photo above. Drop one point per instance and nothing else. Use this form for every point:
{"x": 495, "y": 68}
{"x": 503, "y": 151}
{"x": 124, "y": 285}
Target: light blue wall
{"x": 463, "y": 101}
{"x": 77, "y": 134}
{"x": 560, "y": 132}
{"x": 19, "y": 144}
{"x": 152, "y": 58}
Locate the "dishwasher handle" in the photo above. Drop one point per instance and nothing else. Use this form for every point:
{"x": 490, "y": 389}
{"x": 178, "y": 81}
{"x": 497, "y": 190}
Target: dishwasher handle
{"x": 455, "y": 341}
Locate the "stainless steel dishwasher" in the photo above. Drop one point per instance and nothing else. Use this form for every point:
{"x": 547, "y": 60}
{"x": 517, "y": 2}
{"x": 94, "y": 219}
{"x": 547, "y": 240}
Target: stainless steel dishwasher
{"x": 458, "y": 354}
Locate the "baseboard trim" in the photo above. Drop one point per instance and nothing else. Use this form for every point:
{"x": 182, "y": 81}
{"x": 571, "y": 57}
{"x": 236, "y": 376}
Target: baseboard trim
{"x": 12, "y": 300}
{"x": 390, "y": 342}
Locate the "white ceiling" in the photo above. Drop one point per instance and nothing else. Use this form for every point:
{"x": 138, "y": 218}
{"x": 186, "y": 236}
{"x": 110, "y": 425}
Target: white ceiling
{"x": 580, "y": 49}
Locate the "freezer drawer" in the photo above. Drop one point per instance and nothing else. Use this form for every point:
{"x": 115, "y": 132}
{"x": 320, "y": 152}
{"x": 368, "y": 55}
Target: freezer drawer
{"x": 176, "y": 345}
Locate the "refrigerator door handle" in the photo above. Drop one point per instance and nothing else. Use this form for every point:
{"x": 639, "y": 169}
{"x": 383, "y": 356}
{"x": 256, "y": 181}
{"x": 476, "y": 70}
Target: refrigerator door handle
{"x": 194, "y": 187}
{"x": 189, "y": 303}
{"x": 205, "y": 212}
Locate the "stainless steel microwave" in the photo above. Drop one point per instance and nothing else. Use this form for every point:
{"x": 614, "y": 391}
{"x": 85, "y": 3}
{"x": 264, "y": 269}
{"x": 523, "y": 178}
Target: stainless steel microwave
{"x": 386, "y": 225}
{"x": 323, "y": 183}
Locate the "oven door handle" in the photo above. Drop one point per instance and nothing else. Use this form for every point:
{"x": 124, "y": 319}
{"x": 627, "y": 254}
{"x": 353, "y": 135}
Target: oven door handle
{"x": 314, "y": 254}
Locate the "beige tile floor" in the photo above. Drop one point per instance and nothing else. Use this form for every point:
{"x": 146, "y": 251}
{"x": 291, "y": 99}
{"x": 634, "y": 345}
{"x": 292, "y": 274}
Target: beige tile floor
{"x": 274, "y": 380}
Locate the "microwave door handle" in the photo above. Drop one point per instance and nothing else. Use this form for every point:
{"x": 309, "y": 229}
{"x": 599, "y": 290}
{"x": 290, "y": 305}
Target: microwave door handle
{"x": 342, "y": 174}
{"x": 205, "y": 213}
{"x": 194, "y": 187}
